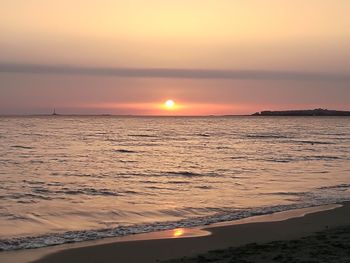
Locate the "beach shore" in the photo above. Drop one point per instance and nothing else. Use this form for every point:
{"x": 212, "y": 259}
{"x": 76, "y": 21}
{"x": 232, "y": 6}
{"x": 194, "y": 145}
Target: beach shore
{"x": 331, "y": 245}
{"x": 156, "y": 247}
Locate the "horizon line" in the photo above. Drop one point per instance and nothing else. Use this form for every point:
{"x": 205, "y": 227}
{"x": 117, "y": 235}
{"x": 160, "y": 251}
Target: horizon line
{"x": 115, "y": 115}
{"x": 157, "y": 115}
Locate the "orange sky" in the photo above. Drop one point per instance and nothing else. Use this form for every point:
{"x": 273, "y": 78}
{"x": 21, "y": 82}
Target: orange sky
{"x": 269, "y": 39}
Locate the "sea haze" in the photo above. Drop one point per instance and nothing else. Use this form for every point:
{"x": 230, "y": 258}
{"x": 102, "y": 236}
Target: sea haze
{"x": 70, "y": 178}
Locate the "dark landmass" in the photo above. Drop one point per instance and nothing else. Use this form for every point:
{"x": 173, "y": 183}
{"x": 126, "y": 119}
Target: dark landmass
{"x": 315, "y": 112}
{"x": 327, "y": 246}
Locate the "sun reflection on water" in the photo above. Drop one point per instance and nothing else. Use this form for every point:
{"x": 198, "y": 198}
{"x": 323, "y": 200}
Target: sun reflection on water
{"x": 178, "y": 232}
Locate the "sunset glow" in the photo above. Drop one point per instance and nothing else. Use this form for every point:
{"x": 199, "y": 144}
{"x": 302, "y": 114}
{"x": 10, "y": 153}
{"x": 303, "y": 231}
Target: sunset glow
{"x": 173, "y": 57}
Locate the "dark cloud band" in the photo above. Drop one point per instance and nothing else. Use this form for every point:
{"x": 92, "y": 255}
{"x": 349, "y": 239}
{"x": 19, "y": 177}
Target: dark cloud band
{"x": 173, "y": 73}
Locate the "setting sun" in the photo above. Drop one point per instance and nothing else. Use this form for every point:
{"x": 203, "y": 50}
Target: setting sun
{"x": 169, "y": 104}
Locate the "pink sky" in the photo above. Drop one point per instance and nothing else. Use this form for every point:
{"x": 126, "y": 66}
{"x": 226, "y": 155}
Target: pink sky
{"x": 40, "y": 93}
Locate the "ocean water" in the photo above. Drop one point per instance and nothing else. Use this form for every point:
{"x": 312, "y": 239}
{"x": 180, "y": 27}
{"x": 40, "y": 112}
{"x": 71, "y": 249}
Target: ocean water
{"x": 70, "y": 178}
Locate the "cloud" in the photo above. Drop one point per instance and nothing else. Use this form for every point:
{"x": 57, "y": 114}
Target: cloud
{"x": 173, "y": 73}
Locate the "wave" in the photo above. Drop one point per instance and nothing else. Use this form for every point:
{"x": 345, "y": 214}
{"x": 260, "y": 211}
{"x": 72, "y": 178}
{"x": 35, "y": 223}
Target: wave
{"x": 25, "y": 197}
{"x": 303, "y": 158}
{"x": 204, "y": 187}
{"x": 36, "y": 161}
{"x": 313, "y": 142}
{"x": 42, "y": 193}
{"x": 87, "y": 191}
{"x": 267, "y": 136}
{"x": 33, "y": 182}
{"x": 77, "y": 175}
{"x": 203, "y": 134}
{"x": 143, "y": 135}
{"x": 30, "y": 242}
{"x": 239, "y": 157}
{"x": 22, "y": 147}
{"x": 189, "y": 174}
{"x": 124, "y": 151}
{"x": 280, "y": 160}
{"x": 178, "y": 182}
{"x": 287, "y": 193}
{"x": 127, "y": 161}
{"x": 341, "y": 187}
{"x": 323, "y": 157}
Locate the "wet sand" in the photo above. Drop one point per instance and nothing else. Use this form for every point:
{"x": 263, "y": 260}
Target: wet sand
{"x": 163, "y": 248}
{"x": 332, "y": 245}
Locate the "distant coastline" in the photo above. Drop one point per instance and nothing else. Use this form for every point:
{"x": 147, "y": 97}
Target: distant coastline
{"x": 315, "y": 112}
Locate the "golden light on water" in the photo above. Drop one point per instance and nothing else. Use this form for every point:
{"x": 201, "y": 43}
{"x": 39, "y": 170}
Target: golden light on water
{"x": 178, "y": 232}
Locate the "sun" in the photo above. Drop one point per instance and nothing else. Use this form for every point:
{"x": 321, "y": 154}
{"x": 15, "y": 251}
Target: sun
{"x": 169, "y": 104}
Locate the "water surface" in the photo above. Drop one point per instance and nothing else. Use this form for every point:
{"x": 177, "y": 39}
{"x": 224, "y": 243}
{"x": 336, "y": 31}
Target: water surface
{"x": 65, "y": 179}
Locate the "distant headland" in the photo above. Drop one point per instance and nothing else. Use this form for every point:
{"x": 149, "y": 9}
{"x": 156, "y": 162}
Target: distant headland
{"x": 315, "y": 112}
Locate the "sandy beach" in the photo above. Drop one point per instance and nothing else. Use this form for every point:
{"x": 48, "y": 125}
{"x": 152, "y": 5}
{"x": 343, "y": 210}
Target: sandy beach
{"x": 227, "y": 240}
{"x": 331, "y": 245}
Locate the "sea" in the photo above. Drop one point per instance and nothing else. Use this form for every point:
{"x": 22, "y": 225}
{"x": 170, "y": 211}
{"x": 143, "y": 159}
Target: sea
{"x": 67, "y": 179}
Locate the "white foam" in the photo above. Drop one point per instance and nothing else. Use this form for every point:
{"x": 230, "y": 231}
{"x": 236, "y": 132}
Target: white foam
{"x": 52, "y": 239}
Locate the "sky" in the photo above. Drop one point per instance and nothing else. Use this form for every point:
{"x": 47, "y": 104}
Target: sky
{"x": 211, "y": 57}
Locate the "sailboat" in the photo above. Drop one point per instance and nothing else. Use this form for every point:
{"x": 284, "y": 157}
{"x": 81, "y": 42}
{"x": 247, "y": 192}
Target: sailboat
{"x": 54, "y": 112}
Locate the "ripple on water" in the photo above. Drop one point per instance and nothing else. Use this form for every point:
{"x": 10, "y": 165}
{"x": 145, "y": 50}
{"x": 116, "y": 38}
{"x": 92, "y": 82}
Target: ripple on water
{"x": 134, "y": 166}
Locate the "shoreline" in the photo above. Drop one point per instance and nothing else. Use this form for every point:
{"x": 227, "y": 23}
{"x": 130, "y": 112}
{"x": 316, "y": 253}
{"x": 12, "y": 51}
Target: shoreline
{"x": 154, "y": 246}
{"x": 329, "y": 245}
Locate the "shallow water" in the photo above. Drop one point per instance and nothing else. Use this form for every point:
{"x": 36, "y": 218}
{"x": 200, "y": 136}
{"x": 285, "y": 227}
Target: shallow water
{"x": 66, "y": 179}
